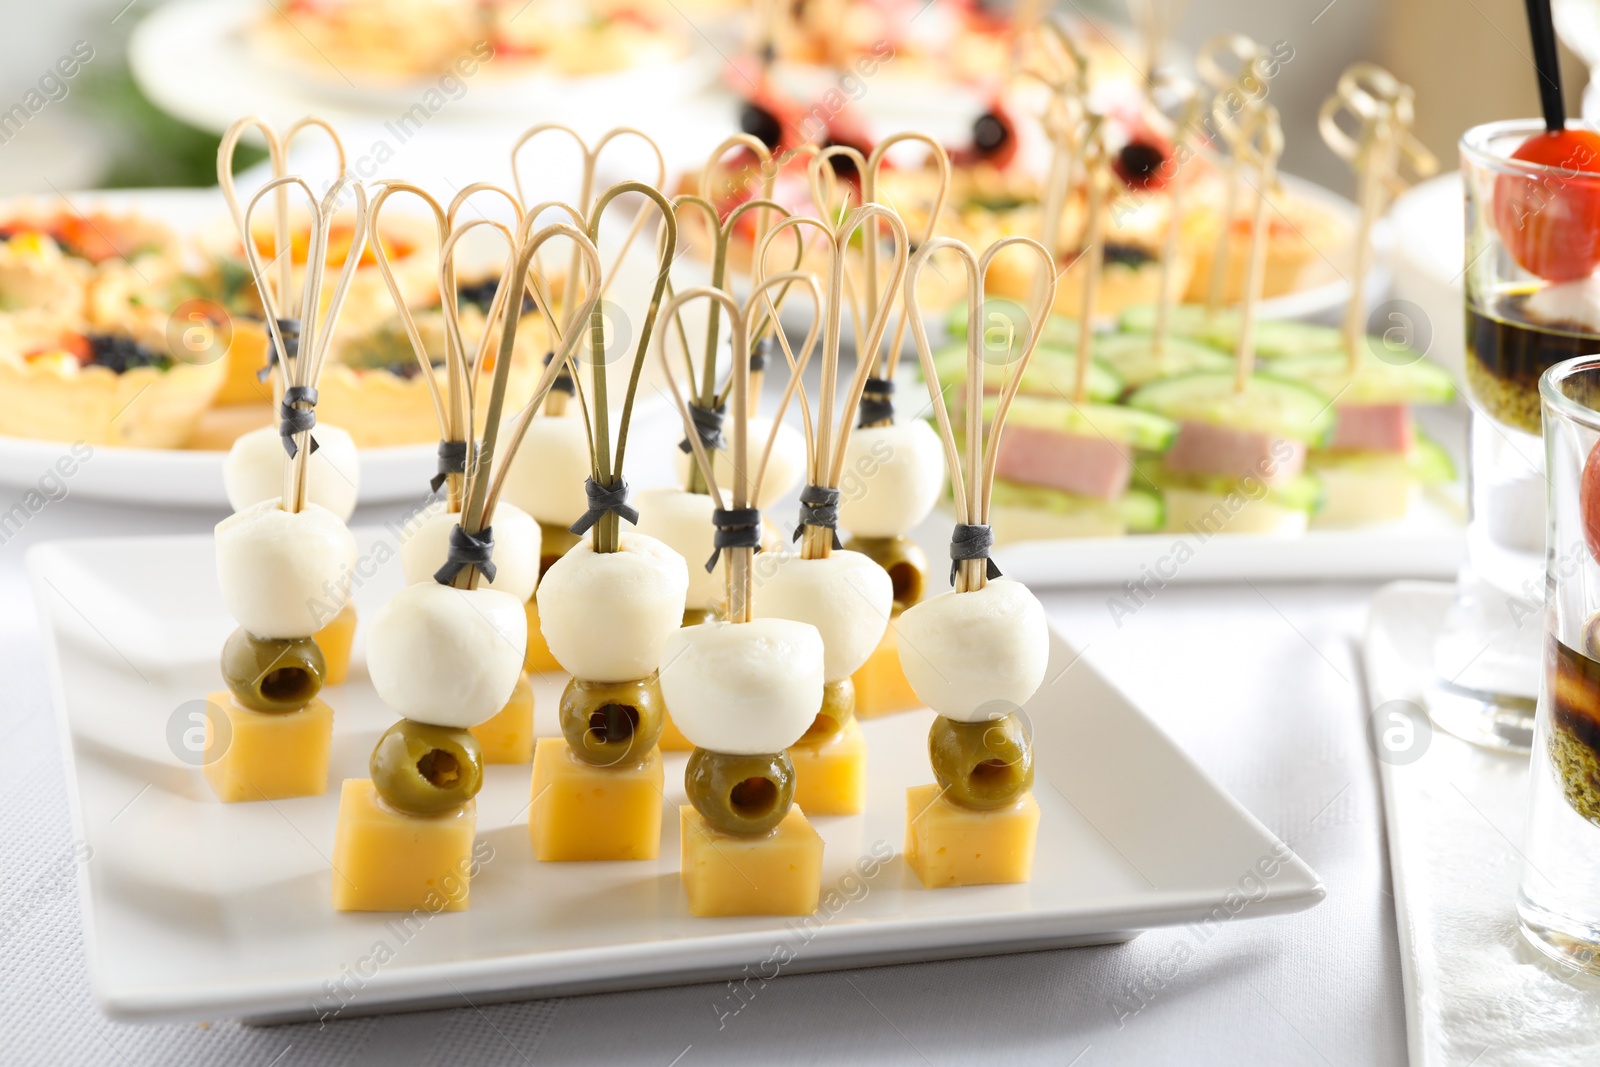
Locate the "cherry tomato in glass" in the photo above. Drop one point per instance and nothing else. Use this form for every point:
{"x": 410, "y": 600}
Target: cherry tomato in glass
{"x": 1550, "y": 223}
{"x": 1589, "y": 501}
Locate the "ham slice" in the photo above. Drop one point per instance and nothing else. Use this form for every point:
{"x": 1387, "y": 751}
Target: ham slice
{"x": 1089, "y": 465}
{"x": 1374, "y": 428}
{"x": 1202, "y": 448}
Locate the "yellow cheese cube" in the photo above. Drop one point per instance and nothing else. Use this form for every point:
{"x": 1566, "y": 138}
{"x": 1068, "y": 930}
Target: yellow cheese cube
{"x": 263, "y": 755}
{"x": 830, "y": 777}
{"x": 881, "y": 686}
{"x": 386, "y": 860}
{"x": 779, "y": 873}
{"x": 672, "y": 739}
{"x": 336, "y": 640}
{"x": 508, "y": 737}
{"x": 537, "y": 659}
{"x": 583, "y": 812}
{"x": 948, "y": 845}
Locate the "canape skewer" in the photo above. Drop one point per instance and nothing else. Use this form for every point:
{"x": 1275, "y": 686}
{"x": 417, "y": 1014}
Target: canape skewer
{"x": 1234, "y": 131}
{"x": 1384, "y": 110}
{"x": 1262, "y": 146}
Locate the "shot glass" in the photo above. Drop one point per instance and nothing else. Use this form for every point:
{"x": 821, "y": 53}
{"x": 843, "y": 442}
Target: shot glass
{"x": 1559, "y": 897}
{"x": 1519, "y": 323}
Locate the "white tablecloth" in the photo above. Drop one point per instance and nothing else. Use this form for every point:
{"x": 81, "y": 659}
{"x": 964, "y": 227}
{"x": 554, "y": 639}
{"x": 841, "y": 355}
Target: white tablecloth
{"x": 1260, "y": 684}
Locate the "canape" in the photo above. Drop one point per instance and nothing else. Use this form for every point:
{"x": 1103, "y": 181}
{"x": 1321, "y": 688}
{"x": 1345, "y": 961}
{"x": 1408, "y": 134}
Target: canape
{"x": 744, "y": 690}
{"x": 976, "y": 654}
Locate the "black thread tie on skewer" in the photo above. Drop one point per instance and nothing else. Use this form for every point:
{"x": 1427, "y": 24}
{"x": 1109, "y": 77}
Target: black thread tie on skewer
{"x": 467, "y": 550}
{"x": 736, "y": 528}
{"x": 877, "y": 402}
{"x": 563, "y": 382}
{"x": 819, "y": 506}
{"x": 708, "y": 425}
{"x": 295, "y": 420}
{"x": 602, "y": 499}
{"x": 290, "y": 328}
{"x": 452, "y": 460}
{"x": 971, "y": 541}
{"x": 759, "y": 354}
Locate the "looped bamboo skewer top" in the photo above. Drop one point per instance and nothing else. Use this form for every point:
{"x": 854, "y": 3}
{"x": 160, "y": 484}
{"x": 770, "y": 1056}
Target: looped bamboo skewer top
{"x": 738, "y": 505}
{"x": 606, "y": 485}
{"x": 1262, "y": 145}
{"x": 298, "y": 372}
{"x": 1383, "y": 108}
{"x": 1233, "y": 131}
{"x": 826, "y": 443}
{"x": 870, "y": 195}
{"x": 972, "y": 489}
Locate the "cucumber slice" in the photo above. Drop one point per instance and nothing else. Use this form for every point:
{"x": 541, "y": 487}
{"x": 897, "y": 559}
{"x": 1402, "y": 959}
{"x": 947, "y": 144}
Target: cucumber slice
{"x": 1376, "y": 381}
{"x": 1277, "y": 338}
{"x": 1051, "y": 372}
{"x": 1274, "y": 338}
{"x": 1142, "y": 430}
{"x": 1130, "y": 356}
{"x": 1428, "y": 463}
{"x": 1183, "y": 320}
{"x": 1266, "y": 405}
{"x": 1302, "y": 492}
{"x": 1033, "y": 513}
{"x": 1143, "y": 512}
{"x": 1059, "y": 331}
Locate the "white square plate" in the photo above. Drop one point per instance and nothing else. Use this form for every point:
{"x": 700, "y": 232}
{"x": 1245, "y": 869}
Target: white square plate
{"x": 195, "y": 909}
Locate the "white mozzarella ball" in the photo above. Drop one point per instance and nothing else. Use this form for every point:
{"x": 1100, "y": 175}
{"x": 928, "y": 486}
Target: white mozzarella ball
{"x": 253, "y": 470}
{"x": 284, "y": 575}
{"x": 606, "y": 615}
{"x": 447, "y": 656}
{"x": 968, "y": 654}
{"x": 785, "y": 467}
{"x": 682, "y": 520}
{"x": 745, "y": 688}
{"x": 893, "y": 476}
{"x": 847, "y": 597}
{"x": 516, "y": 548}
{"x": 547, "y": 474}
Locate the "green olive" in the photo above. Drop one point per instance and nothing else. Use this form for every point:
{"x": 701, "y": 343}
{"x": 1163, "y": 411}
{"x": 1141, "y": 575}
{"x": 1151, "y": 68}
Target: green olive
{"x": 612, "y": 723}
{"x": 982, "y": 764}
{"x": 426, "y": 770}
{"x": 740, "y": 794}
{"x": 838, "y": 708}
{"x": 905, "y": 561}
{"x": 553, "y": 544}
{"x": 266, "y": 674}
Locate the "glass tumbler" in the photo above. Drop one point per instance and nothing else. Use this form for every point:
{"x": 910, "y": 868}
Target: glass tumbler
{"x": 1532, "y": 300}
{"x": 1559, "y": 897}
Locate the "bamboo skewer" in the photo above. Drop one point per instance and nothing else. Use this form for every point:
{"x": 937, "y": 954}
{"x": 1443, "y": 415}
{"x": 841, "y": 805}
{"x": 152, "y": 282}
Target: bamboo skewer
{"x": 746, "y": 489}
{"x": 1384, "y": 111}
{"x": 1234, "y": 132}
{"x": 1097, "y": 173}
{"x": 1263, "y": 145}
{"x": 972, "y": 490}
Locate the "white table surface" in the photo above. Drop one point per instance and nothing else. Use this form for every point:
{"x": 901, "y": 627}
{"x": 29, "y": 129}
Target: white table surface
{"x": 1260, "y": 684}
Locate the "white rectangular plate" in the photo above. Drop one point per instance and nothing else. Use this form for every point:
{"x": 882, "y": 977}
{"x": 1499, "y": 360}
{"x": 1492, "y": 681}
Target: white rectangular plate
{"x": 1429, "y": 543}
{"x": 196, "y": 909}
{"x": 1454, "y": 821}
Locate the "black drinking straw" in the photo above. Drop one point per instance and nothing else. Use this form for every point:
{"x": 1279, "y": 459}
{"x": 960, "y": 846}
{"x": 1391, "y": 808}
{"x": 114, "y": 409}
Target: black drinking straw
{"x": 1547, "y": 62}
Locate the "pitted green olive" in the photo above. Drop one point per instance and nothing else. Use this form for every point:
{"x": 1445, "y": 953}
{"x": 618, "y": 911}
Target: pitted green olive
{"x": 426, "y": 770}
{"x": 696, "y": 616}
{"x": 905, "y": 561}
{"x": 740, "y": 794}
{"x": 553, "y": 544}
{"x": 981, "y": 764}
{"x": 609, "y": 724}
{"x": 265, "y": 674}
{"x": 838, "y": 708}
